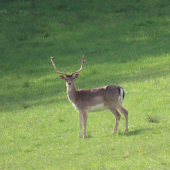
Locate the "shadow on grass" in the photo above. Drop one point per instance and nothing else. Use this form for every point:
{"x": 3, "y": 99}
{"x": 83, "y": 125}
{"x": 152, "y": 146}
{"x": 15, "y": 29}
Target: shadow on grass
{"x": 31, "y": 95}
{"x": 135, "y": 132}
{"x": 123, "y": 133}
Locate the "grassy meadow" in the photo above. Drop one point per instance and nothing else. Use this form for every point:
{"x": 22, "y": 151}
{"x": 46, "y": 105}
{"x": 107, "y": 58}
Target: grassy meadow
{"x": 125, "y": 42}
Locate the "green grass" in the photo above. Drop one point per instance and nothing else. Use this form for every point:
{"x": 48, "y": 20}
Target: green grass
{"x": 125, "y": 43}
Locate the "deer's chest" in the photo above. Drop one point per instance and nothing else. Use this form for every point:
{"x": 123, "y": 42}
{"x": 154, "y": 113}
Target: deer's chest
{"x": 75, "y": 106}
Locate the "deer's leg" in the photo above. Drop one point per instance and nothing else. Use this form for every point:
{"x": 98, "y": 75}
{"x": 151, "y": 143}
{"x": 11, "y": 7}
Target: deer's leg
{"x": 80, "y": 124}
{"x": 85, "y": 123}
{"x": 117, "y": 116}
{"x": 125, "y": 113}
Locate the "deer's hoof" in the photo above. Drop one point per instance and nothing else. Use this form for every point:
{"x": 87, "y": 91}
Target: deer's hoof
{"x": 114, "y": 132}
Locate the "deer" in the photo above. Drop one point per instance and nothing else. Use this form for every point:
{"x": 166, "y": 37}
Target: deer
{"x": 93, "y": 100}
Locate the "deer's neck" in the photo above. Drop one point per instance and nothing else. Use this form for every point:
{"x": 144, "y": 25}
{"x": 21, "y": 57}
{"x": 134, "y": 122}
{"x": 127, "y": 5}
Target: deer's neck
{"x": 71, "y": 92}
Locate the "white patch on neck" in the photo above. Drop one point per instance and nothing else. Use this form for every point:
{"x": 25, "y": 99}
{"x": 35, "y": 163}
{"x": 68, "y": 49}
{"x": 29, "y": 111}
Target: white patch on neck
{"x": 98, "y": 107}
{"x": 69, "y": 93}
{"x": 69, "y": 88}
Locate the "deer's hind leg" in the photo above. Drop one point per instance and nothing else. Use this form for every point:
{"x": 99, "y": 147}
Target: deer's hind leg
{"x": 117, "y": 116}
{"x": 125, "y": 113}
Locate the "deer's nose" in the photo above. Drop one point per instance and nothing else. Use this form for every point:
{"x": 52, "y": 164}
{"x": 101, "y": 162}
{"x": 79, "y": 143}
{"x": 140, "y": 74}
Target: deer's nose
{"x": 69, "y": 84}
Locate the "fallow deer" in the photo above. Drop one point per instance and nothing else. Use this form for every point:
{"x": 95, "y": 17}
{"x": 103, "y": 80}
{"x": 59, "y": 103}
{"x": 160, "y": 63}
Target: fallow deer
{"x": 91, "y": 100}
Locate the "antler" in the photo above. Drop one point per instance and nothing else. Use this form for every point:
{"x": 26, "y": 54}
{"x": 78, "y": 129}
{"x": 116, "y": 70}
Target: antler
{"x": 81, "y": 68}
{"x": 52, "y": 60}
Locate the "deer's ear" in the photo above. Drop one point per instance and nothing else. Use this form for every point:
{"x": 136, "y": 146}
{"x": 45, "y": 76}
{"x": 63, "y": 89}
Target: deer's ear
{"x": 76, "y": 76}
{"x": 62, "y": 77}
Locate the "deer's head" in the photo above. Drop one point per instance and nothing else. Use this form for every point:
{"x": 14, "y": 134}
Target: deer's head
{"x": 69, "y": 78}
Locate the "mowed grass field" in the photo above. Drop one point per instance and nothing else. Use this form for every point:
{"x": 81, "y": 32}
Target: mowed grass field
{"x": 126, "y": 43}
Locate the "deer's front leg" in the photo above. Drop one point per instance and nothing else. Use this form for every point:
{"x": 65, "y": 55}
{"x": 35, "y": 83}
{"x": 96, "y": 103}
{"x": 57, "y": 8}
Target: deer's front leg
{"x": 80, "y": 124}
{"x": 85, "y": 123}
